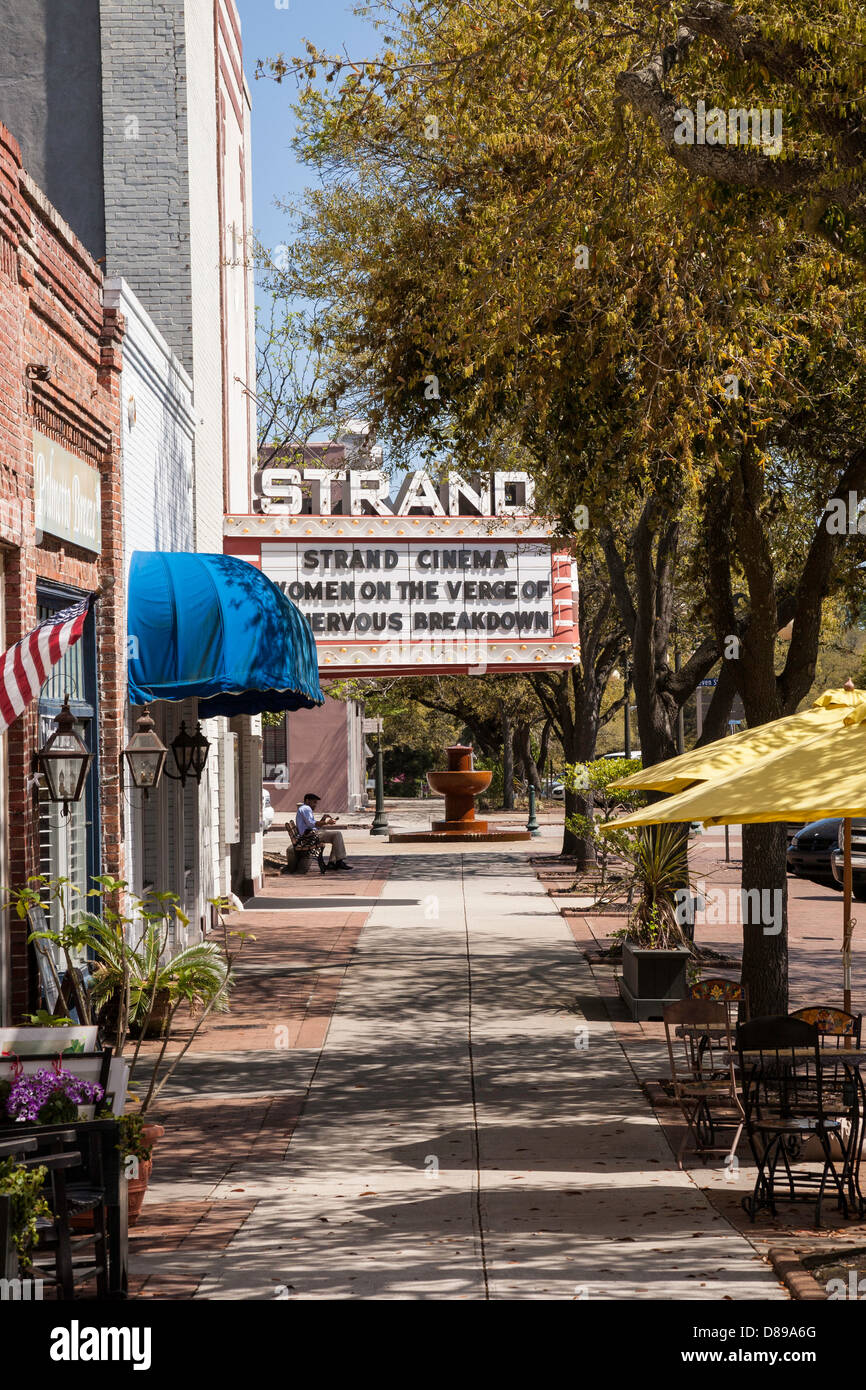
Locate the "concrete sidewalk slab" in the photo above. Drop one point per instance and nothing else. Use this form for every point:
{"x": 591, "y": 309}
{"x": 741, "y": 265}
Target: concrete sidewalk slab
{"x": 471, "y": 1130}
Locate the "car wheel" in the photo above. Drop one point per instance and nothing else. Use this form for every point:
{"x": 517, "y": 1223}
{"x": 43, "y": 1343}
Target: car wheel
{"x": 860, "y": 893}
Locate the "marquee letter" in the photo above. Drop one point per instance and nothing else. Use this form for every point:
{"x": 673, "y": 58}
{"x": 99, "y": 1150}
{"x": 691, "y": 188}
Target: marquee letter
{"x": 371, "y": 486}
{"x": 476, "y": 494}
{"x": 416, "y": 490}
{"x": 282, "y": 484}
{"x": 501, "y": 507}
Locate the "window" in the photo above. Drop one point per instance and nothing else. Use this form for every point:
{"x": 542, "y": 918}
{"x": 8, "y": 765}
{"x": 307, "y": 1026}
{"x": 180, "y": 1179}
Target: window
{"x": 275, "y": 752}
{"x": 69, "y": 845}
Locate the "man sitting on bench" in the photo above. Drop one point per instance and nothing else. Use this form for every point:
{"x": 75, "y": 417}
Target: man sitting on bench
{"x": 306, "y": 820}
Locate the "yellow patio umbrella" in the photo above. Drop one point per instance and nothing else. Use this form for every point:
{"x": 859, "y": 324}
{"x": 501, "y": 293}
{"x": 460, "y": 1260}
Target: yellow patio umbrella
{"x": 739, "y": 750}
{"x": 820, "y": 776}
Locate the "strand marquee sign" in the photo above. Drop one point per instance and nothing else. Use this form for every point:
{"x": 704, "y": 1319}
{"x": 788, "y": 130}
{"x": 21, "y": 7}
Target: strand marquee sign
{"x": 453, "y": 578}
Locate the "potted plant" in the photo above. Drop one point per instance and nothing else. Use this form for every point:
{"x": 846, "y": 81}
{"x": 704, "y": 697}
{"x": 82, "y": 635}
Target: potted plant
{"x": 21, "y": 1191}
{"x": 135, "y": 977}
{"x": 135, "y": 1144}
{"x": 655, "y": 949}
{"x": 50, "y": 1096}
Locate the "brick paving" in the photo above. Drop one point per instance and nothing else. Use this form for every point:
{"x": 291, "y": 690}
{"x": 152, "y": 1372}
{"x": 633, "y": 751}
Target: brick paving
{"x": 288, "y": 980}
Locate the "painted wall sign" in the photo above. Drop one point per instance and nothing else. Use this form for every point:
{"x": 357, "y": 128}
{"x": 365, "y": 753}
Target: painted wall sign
{"x": 67, "y": 495}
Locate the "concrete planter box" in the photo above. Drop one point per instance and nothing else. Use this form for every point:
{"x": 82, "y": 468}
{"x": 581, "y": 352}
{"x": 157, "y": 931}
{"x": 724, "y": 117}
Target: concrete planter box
{"x": 652, "y": 979}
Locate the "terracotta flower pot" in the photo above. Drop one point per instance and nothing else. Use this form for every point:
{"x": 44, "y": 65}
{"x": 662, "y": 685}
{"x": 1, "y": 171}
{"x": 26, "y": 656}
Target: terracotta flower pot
{"x": 137, "y": 1186}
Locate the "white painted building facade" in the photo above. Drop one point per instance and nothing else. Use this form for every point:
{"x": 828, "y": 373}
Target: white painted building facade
{"x": 177, "y": 67}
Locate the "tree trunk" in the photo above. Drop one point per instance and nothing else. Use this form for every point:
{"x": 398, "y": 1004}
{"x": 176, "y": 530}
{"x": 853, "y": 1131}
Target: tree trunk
{"x": 544, "y": 748}
{"x": 765, "y": 942}
{"x": 583, "y": 731}
{"x": 572, "y": 699}
{"x": 581, "y": 846}
{"x": 507, "y": 762}
{"x": 523, "y": 752}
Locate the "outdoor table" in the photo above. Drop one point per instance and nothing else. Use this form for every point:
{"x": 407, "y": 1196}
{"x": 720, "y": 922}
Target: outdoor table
{"x": 105, "y": 1133}
{"x": 855, "y": 1055}
{"x": 852, "y": 1060}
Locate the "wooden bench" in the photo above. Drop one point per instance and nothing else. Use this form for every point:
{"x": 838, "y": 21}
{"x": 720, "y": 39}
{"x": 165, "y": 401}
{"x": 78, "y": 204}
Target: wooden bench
{"x": 304, "y": 849}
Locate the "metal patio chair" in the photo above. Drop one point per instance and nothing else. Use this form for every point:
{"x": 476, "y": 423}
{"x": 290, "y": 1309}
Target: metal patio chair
{"x": 788, "y": 1098}
{"x": 834, "y": 1025}
{"x": 700, "y": 1048}
{"x": 724, "y": 991}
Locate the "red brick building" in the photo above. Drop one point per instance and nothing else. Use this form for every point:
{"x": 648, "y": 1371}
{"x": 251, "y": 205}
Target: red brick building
{"x": 60, "y": 538}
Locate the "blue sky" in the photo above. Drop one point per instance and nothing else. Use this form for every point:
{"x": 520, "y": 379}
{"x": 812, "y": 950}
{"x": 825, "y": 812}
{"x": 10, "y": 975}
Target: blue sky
{"x": 269, "y": 29}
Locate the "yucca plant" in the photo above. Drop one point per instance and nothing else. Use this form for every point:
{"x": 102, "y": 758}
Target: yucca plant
{"x": 659, "y": 855}
{"x": 133, "y": 967}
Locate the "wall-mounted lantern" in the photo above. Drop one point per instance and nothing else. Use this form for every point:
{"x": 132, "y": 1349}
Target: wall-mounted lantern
{"x": 64, "y": 760}
{"x": 145, "y": 754}
{"x": 190, "y": 754}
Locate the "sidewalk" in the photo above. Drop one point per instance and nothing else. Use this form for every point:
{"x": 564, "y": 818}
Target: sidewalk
{"x": 471, "y": 1127}
{"x": 237, "y": 1095}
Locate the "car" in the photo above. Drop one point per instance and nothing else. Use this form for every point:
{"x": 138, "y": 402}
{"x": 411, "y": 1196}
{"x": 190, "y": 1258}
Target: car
{"x": 858, "y": 859}
{"x": 267, "y": 810}
{"x": 809, "y": 853}
{"x": 557, "y": 790}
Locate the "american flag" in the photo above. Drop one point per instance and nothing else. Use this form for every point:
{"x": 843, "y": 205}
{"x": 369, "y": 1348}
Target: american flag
{"x": 25, "y": 667}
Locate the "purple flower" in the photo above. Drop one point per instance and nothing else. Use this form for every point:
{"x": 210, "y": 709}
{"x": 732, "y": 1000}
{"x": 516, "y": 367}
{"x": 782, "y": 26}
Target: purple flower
{"x": 30, "y": 1093}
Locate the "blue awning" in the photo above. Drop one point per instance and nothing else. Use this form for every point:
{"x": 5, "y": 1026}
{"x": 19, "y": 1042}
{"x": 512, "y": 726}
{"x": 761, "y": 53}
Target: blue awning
{"x": 215, "y": 627}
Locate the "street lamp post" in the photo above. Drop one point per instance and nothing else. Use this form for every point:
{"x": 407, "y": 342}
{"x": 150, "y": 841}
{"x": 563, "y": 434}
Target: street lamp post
{"x": 532, "y": 824}
{"x": 627, "y": 743}
{"x": 681, "y": 722}
{"x": 380, "y": 824}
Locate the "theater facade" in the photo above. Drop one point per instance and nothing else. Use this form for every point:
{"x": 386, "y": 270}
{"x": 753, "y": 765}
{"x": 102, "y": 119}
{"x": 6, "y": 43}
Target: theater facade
{"x": 438, "y": 577}
{"x": 448, "y": 578}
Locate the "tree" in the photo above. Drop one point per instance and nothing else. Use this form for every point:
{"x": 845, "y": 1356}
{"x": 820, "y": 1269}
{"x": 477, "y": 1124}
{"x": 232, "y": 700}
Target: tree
{"x": 808, "y": 60}
{"x": 484, "y": 226}
{"x": 573, "y": 699}
{"x": 290, "y": 370}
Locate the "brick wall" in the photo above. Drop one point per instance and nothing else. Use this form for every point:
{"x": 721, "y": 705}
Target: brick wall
{"x": 52, "y": 316}
{"x": 146, "y": 159}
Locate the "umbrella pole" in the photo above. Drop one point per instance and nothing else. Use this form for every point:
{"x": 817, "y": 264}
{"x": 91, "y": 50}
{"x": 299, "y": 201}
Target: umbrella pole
{"x": 847, "y": 885}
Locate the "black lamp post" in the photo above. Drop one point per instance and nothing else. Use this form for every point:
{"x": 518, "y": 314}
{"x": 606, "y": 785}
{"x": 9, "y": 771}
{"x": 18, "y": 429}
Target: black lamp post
{"x": 190, "y": 754}
{"x": 64, "y": 760}
{"x": 145, "y": 754}
{"x": 532, "y": 823}
{"x": 627, "y": 723}
{"x": 380, "y": 824}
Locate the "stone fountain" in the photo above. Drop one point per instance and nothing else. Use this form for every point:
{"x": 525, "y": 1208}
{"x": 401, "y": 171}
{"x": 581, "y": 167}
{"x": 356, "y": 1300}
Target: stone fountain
{"x": 460, "y": 784}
